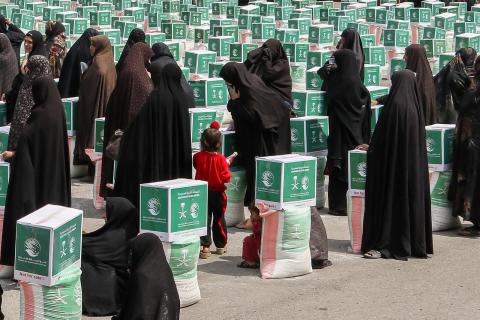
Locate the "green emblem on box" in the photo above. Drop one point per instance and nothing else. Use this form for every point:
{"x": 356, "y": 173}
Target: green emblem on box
{"x": 198, "y": 60}
{"x": 70, "y": 105}
{"x": 239, "y": 51}
{"x": 79, "y": 25}
{"x": 286, "y": 181}
{"x": 154, "y": 37}
{"x": 99, "y": 135}
{"x": 175, "y": 30}
{"x": 375, "y": 55}
{"x": 309, "y": 135}
{"x": 48, "y": 241}
{"x": 397, "y": 64}
{"x": 309, "y": 103}
{"x": 371, "y": 75}
{"x": 321, "y": 34}
{"x": 357, "y": 172}
{"x": 467, "y": 40}
{"x": 174, "y": 209}
{"x": 395, "y": 38}
{"x": 440, "y": 139}
{"x": 209, "y": 92}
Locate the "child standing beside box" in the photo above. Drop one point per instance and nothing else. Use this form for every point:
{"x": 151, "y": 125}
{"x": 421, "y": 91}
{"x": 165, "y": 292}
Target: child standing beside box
{"x": 213, "y": 168}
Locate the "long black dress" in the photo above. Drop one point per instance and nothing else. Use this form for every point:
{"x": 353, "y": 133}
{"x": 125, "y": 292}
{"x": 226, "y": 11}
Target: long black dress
{"x": 152, "y": 293}
{"x": 270, "y": 63}
{"x": 262, "y": 121}
{"x": 348, "y": 108}
{"x": 351, "y": 40}
{"x": 161, "y": 57}
{"x": 69, "y": 82}
{"x": 157, "y": 145}
{"x": 465, "y": 183}
{"x": 105, "y": 259}
{"x": 41, "y": 170}
{"x": 14, "y": 34}
{"x": 397, "y": 220}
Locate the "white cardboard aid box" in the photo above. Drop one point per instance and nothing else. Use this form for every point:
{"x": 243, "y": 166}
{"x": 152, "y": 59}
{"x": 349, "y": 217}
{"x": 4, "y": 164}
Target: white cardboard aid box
{"x": 48, "y": 241}
{"x": 357, "y": 172}
{"x": 286, "y": 181}
{"x": 174, "y": 209}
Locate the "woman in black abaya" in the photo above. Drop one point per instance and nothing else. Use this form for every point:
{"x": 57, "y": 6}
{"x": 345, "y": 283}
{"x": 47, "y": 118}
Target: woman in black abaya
{"x": 127, "y": 99}
{"x": 452, "y": 83}
{"x": 157, "y": 145}
{"x": 105, "y": 259}
{"x": 37, "y": 66}
{"x": 14, "y": 34}
{"x": 161, "y": 57}
{"x": 348, "y": 108}
{"x": 270, "y": 63}
{"x": 262, "y": 121}
{"x": 151, "y": 291}
{"x": 350, "y": 39}
{"x": 136, "y": 35}
{"x": 41, "y": 170}
{"x": 69, "y": 82}
{"x": 465, "y": 183}
{"x": 397, "y": 220}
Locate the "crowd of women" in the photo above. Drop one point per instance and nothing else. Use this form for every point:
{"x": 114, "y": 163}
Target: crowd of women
{"x": 145, "y": 100}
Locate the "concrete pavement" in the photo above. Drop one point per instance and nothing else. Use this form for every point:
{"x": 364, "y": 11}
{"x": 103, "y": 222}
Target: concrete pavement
{"x": 446, "y": 286}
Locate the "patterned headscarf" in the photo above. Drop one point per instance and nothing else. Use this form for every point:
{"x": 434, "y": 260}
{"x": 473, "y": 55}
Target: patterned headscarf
{"x": 37, "y": 66}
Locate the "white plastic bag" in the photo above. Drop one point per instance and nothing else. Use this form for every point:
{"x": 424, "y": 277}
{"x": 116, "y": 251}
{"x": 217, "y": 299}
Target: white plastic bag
{"x": 355, "y": 211}
{"x": 182, "y": 256}
{"x": 60, "y": 302}
{"x": 285, "y": 249}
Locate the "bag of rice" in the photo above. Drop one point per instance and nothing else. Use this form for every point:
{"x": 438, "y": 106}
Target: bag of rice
{"x": 234, "y": 214}
{"x": 355, "y": 211}
{"x": 61, "y": 301}
{"x": 442, "y": 218}
{"x": 285, "y": 249}
{"x": 182, "y": 256}
{"x": 321, "y": 162}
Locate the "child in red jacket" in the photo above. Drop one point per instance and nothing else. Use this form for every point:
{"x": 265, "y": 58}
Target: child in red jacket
{"x": 213, "y": 167}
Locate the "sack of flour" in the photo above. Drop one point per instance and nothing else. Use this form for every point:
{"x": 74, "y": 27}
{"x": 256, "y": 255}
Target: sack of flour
{"x": 61, "y": 301}
{"x": 285, "y": 249}
{"x": 355, "y": 211}
{"x": 234, "y": 214}
{"x": 182, "y": 256}
{"x": 442, "y": 218}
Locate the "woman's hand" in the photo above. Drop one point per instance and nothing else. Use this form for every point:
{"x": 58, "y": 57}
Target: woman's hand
{"x": 374, "y": 103}
{"x": 363, "y": 147}
{"x": 8, "y": 154}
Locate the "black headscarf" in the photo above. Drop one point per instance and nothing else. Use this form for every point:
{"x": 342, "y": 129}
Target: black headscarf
{"x": 157, "y": 147}
{"x": 162, "y": 57}
{"x": 38, "y": 46}
{"x": 14, "y": 34}
{"x": 105, "y": 259}
{"x": 397, "y": 219}
{"x": 351, "y": 40}
{"x": 348, "y": 107}
{"x": 41, "y": 169}
{"x": 136, "y": 35}
{"x": 152, "y": 293}
{"x": 417, "y": 62}
{"x": 262, "y": 121}
{"x": 69, "y": 82}
{"x": 270, "y": 63}
{"x": 451, "y": 85}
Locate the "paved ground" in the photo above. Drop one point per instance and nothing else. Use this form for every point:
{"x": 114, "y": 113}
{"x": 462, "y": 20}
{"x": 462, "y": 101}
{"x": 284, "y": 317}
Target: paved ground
{"x": 446, "y": 286}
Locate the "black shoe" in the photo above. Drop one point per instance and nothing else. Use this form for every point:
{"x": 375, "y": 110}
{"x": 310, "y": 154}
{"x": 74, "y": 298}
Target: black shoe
{"x": 320, "y": 264}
